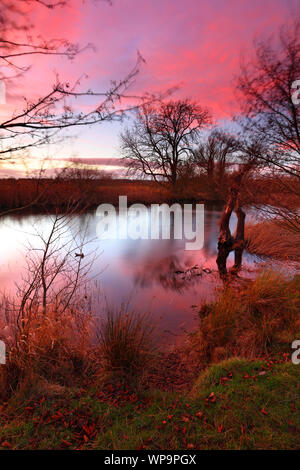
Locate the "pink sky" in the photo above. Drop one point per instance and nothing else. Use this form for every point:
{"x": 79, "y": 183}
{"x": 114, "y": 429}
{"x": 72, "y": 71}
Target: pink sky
{"x": 194, "y": 44}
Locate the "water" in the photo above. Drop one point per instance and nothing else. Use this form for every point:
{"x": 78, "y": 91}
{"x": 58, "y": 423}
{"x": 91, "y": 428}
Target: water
{"x": 141, "y": 273}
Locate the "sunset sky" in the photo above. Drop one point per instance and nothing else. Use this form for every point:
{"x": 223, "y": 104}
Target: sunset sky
{"x": 195, "y": 45}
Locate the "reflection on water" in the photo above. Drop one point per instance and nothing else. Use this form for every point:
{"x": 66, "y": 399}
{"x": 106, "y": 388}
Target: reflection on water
{"x": 149, "y": 274}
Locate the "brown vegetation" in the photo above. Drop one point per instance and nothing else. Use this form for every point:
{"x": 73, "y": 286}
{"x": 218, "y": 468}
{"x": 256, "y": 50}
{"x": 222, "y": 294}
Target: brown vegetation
{"x": 56, "y": 194}
{"x": 248, "y": 321}
{"x": 273, "y": 239}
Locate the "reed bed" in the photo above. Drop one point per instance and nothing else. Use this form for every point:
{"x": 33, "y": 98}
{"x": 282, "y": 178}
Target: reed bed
{"x": 273, "y": 239}
{"x": 248, "y": 321}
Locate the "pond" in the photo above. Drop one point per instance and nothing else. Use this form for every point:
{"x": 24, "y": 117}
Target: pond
{"x": 149, "y": 275}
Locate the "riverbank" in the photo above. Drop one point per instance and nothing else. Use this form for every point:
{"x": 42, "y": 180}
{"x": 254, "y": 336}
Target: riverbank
{"x": 59, "y": 194}
{"x": 237, "y": 404}
{"x": 232, "y": 385}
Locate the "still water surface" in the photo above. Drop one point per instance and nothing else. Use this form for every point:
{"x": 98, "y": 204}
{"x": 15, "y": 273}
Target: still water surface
{"x": 139, "y": 272}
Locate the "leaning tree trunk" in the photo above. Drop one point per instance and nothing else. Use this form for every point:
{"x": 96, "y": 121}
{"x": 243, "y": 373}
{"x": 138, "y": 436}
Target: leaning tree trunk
{"x": 239, "y": 239}
{"x": 226, "y": 242}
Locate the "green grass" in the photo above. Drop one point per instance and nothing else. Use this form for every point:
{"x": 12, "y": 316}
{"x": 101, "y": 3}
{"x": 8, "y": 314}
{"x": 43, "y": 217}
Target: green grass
{"x": 252, "y": 405}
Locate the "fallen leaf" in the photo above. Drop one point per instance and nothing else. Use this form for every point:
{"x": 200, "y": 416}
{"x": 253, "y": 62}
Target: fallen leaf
{"x": 66, "y": 443}
{"x": 6, "y": 444}
{"x": 220, "y": 428}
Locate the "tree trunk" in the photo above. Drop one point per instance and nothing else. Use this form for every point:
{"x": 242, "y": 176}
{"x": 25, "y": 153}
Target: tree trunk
{"x": 227, "y": 243}
{"x": 225, "y": 240}
{"x": 239, "y": 239}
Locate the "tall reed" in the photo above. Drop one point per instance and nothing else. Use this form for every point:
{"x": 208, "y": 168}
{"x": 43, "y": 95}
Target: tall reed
{"x": 272, "y": 238}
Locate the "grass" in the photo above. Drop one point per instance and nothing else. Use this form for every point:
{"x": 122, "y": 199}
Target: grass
{"x": 56, "y": 194}
{"x": 54, "y": 348}
{"x": 248, "y": 321}
{"x": 51, "y": 194}
{"x": 237, "y": 404}
{"x": 67, "y": 349}
{"x": 72, "y": 394}
{"x": 272, "y": 239}
{"x": 126, "y": 341}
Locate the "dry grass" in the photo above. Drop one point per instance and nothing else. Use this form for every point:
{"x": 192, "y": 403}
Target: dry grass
{"x": 62, "y": 349}
{"x": 273, "y": 239}
{"x": 126, "y": 341}
{"x": 52, "y": 194}
{"x": 248, "y": 322}
{"x": 52, "y": 348}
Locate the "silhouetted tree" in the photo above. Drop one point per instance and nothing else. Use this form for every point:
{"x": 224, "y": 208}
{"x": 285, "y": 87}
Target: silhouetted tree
{"x": 162, "y": 137}
{"x": 267, "y": 89}
{"x": 213, "y": 155}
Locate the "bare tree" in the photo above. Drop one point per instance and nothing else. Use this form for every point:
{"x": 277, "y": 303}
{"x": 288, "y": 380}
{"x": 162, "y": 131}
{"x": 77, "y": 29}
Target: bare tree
{"x": 41, "y": 119}
{"x": 53, "y": 299}
{"x": 81, "y": 173}
{"x": 271, "y": 116}
{"x": 57, "y": 267}
{"x": 266, "y": 89}
{"x": 227, "y": 242}
{"x": 240, "y": 195}
{"x": 162, "y": 137}
{"x": 215, "y": 155}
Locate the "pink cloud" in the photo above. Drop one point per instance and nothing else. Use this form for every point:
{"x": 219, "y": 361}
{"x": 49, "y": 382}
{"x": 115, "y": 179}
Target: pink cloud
{"x": 191, "y": 43}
